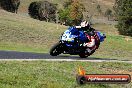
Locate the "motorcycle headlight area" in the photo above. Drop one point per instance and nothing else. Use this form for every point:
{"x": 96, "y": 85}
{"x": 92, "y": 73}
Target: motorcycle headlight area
{"x": 68, "y": 37}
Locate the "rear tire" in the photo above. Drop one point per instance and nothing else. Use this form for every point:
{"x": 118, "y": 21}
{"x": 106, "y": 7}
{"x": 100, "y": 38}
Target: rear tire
{"x": 56, "y": 49}
{"x": 83, "y": 55}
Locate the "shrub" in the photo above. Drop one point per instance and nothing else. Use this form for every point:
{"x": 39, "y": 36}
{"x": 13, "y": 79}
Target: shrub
{"x": 10, "y": 5}
{"x": 42, "y": 10}
{"x": 99, "y": 9}
{"x": 33, "y": 10}
{"x": 108, "y": 13}
{"x": 123, "y": 10}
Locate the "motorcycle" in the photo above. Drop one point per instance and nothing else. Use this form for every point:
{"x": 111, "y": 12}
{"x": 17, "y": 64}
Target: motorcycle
{"x": 70, "y": 44}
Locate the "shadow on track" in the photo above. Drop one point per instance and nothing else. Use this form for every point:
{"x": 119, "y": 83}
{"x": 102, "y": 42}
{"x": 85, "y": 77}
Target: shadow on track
{"x": 29, "y": 55}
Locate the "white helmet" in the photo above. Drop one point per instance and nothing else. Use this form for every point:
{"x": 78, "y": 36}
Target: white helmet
{"x": 84, "y": 24}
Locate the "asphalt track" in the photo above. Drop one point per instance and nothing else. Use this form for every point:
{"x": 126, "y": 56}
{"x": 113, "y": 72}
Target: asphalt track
{"x": 14, "y": 55}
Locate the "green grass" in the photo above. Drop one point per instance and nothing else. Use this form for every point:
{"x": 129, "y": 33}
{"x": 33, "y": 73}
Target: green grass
{"x": 115, "y": 46}
{"x": 42, "y": 74}
{"x": 25, "y": 32}
{"x": 106, "y": 28}
{"x": 21, "y": 33}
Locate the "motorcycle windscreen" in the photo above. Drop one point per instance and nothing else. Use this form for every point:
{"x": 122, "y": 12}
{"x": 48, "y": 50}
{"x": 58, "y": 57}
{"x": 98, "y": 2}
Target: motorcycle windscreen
{"x": 68, "y": 35}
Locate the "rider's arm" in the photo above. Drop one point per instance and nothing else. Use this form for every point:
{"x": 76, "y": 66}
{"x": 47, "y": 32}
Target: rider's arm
{"x": 78, "y": 27}
{"x": 91, "y": 29}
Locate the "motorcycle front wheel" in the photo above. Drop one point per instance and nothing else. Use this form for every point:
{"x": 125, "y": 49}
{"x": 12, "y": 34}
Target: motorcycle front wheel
{"x": 56, "y": 49}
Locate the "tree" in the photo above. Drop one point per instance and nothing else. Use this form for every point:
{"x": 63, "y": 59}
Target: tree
{"x": 123, "y": 10}
{"x": 33, "y": 10}
{"x": 67, "y": 3}
{"x": 76, "y": 12}
{"x": 99, "y": 9}
{"x": 10, "y": 5}
{"x": 43, "y": 10}
{"x": 64, "y": 16}
{"x": 108, "y": 13}
{"x": 72, "y": 14}
{"x": 47, "y": 11}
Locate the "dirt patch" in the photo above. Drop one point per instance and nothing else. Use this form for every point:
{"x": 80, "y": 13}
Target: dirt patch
{"x": 107, "y": 2}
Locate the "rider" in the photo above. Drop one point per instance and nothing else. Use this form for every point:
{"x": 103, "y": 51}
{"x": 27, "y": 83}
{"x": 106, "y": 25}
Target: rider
{"x": 88, "y": 32}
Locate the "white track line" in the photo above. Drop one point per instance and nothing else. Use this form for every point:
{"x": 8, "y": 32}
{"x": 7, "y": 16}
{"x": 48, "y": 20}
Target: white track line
{"x": 67, "y": 60}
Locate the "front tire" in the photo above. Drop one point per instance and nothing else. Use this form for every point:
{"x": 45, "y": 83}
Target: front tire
{"x": 55, "y": 50}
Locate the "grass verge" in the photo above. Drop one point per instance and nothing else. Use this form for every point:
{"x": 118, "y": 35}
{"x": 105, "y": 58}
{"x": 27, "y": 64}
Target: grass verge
{"x": 42, "y": 74}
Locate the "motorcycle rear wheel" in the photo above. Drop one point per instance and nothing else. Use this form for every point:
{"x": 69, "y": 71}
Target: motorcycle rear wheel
{"x": 83, "y": 55}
